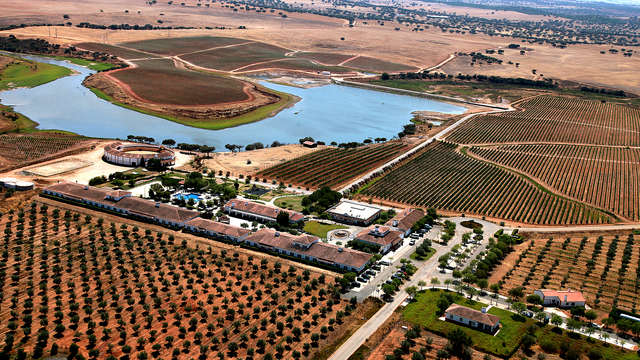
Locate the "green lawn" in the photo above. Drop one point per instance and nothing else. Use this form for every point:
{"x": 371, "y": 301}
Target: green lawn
{"x": 28, "y": 73}
{"x": 415, "y": 256}
{"x": 290, "y": 202}
{"x": 93, "y": 65}
{"x": 423, "y": 312}
{"x": 547, "y": 334}
{"x": 320, "y": 230}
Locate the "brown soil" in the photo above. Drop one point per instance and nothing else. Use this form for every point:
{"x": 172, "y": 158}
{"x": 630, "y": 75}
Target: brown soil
{"x": 120, "y": 92}
{"x": 173, "y": 274}
{"x": 236, "y": 163}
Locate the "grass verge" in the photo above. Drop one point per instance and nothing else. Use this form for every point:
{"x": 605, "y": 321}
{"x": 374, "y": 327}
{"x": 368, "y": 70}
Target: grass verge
{"x": 319, "y": 229}
{"x": 92, "y": 65}
{"x": 27, "y": 73}
{"x": 258, "y": 114}
{"x": 503, "y": 344}
{"x": 417, "y": 257}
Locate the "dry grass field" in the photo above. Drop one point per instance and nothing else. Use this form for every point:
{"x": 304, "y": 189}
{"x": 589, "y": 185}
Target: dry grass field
{"x": 177, "y": 46}
{"x": 116, "y": 288}
{"x": 159, "y": 81}
{"x": 118, "y": 51}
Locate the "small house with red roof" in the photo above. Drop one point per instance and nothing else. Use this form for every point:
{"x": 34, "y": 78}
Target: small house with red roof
{"x": 561, "y": 298}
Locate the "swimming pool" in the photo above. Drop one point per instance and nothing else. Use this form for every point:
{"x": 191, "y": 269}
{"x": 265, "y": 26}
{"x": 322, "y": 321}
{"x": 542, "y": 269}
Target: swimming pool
{"x": 187, "y": 197}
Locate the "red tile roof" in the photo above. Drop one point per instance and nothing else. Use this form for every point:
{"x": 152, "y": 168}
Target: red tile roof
{"x": 471, "y": 314}
{"x": 322, "y": 251}
{"x": 381, "y": 235}
{"x": 158, "y": 210}
{"x": 218, "y": 227}
{"x": 260, "y": 209}
{"x": 572, "y": 295}
{"x": 405, "y": 219}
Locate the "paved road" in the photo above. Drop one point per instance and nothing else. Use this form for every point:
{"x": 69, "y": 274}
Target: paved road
{"x": 425, "y": 272}
{"x": 362, "y": 179}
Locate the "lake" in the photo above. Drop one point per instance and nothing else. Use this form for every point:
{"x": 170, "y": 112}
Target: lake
{"x": 327, "y": 113}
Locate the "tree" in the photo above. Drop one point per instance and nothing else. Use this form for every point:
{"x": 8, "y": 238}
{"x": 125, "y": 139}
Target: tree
{"x": 534, "y": 299}
{"x": 412, "y": 291}
{"x": 459, "y": 343}
{"x": 422, "y": 284}
{"x": 517, "y": 292}
{"x": 556, "y": 320}
{"x": 519, "y": 307}
{"x": 447, "y": 282}
{"x": 283, "y": 218}
{"x": 434, "y": 282}
{"x": 482, "y": 284}
{"x": 527, "y": 342}
{"x": 590, "y": 315}
{"x": 168, "y": 142}
{"x": 385, "y": 76}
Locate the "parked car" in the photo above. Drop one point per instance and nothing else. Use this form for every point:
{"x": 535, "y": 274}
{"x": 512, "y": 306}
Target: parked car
{"x": 376, "y": 267}
{"x": 385, "y": 263}
{"x": 360, "y": 279}
{"x": 528, "y": 313}
{"x": 412, "y": 242}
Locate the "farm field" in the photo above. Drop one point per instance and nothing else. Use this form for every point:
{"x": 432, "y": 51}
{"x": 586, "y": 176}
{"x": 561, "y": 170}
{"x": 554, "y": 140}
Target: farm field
{"x": 372, "y": 64}
{"x": 235, "y": 57}
{"x": 114, "y": 50}
{"x": 179, "y": 87}
{"x": 449, "y": 180}
{"x": 550, "y": 119}
{"x": 332, "y": 166}
{"x": 605, "y": 268}
{"x": 115, "y": 289}
{"x": 606, "y": 177}
{"x": 324, "y": 58}
{"x": 177, "y": 46}
{"x": 299, "y": 64}
{"x": 21, "y": 150}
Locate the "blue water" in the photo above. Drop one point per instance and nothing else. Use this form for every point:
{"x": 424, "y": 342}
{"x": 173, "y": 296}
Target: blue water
{"x": 186, "y": 197}
{"x": 326, "y": 113}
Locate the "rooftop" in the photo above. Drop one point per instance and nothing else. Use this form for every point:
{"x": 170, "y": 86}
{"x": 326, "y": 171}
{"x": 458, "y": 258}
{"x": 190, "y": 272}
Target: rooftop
{"x": 381, "y": 235}
{"x": 572, "y": 295}
{"x": 355, "y": 210}
{"x": 218, "y": 227}
{"x": 471, "y": 314}
{"x": 405, "y": 219}
{"x": 260, "y": 209}
{"x": 322, "y": 251}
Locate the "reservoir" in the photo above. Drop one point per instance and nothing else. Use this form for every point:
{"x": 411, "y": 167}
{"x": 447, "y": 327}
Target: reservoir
{"x": 327, "y": 113}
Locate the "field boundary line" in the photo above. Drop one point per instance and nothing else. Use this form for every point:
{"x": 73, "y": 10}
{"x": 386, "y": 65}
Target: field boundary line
{"x": 349, "y": 59}
{"x": 215, "y": 48}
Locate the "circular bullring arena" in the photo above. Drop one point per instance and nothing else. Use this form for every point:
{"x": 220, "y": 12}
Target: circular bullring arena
{"x": 137, "y": 154}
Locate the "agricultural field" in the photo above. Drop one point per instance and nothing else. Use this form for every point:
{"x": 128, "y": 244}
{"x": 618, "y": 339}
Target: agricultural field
{"x": 72, "y": 283}
{"x": 18, "y": 149}
{"x": 551, "y": 119}
{"x": 449, "y": 180}
{"x": 177, "y": 46}
{"x": 298, "y": 64}
{"x": 179, "y": 87}
{"x": 605, "y": 268}
{"x": 332, "y": 166}
{"x": 236, "y": 57}
{"x": 324, "y": 58}
{"x": 372, "y": 64}
{"x": 114, "y": 50}
{"x": 606, "y": 177}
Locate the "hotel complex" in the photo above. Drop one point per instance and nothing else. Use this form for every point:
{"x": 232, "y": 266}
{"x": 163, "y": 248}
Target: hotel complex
{"x": 303, "y": 247}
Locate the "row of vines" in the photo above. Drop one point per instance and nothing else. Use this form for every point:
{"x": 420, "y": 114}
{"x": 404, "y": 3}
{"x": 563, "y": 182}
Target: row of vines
{"x": 443, "y": 178}
{"x": 332, "y": 166}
